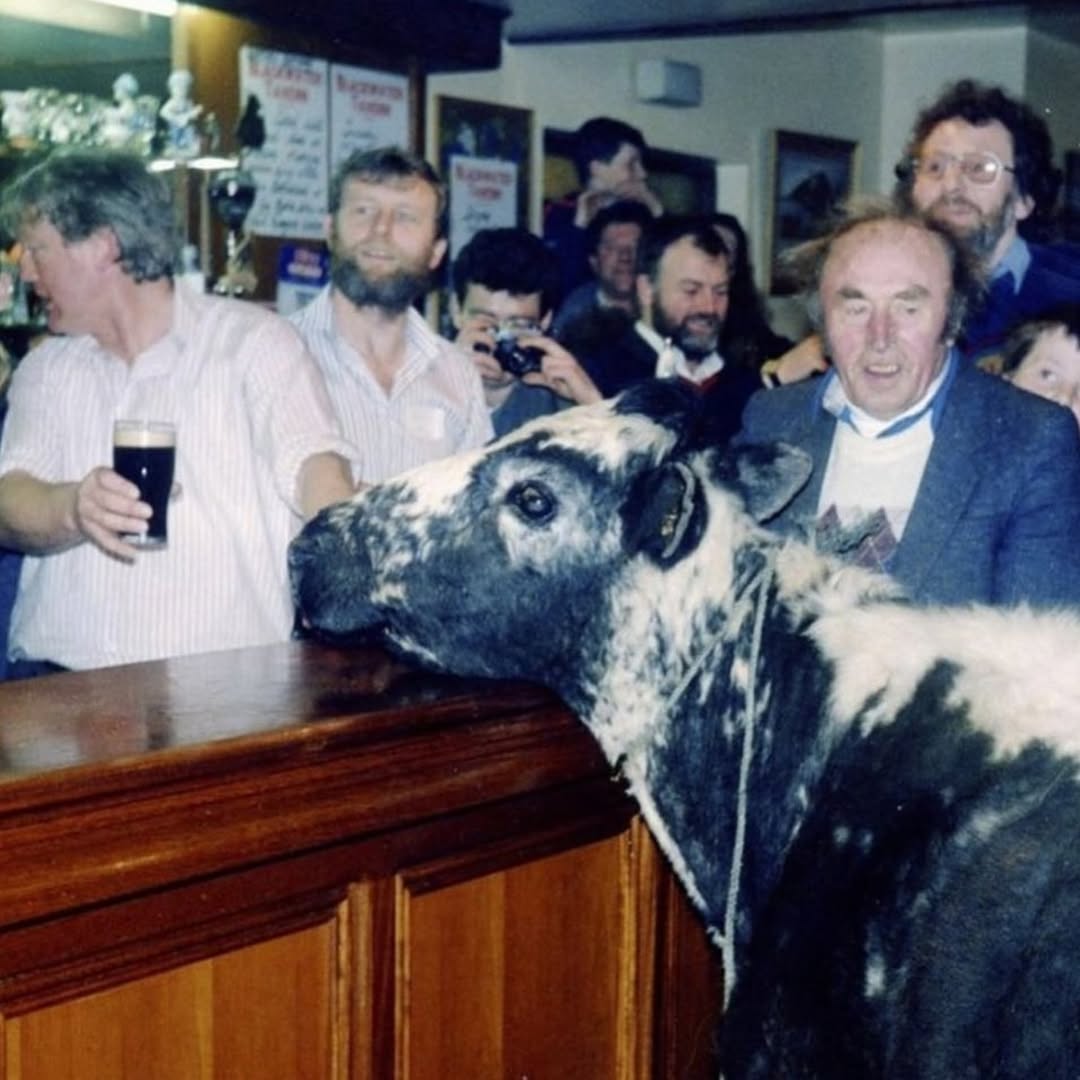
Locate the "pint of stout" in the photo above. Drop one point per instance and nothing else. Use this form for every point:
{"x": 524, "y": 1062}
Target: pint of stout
{"x": 144, "y": 452}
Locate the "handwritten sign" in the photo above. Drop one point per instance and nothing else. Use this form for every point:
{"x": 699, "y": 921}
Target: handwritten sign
{"x": 483, "y": 195}
{"x": 290, "y": 169}
{"x": 367, "y": 109}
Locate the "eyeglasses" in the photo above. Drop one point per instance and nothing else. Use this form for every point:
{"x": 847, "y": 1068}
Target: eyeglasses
{"x": 519, "y": 324}
{"x": 980, "y": 168}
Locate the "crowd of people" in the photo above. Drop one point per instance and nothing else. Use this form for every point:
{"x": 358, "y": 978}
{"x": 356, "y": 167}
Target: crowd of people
{"x": 933, "y": 395}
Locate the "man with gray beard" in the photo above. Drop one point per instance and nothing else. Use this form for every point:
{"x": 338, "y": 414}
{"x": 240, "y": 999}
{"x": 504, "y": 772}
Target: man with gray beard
{"x": 980, "y": 163}
{"x": 403, "y": 395}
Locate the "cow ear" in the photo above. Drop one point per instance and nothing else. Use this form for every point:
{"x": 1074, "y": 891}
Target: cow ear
{"x": 664, "y": 514}
{"x": 767, "y": 477}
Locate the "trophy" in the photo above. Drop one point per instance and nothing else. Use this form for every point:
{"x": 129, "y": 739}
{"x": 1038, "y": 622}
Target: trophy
{"x": 231, "y": 193}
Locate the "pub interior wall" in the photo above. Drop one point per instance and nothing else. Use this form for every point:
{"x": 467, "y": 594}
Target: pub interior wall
{"x": 859, "y": 84}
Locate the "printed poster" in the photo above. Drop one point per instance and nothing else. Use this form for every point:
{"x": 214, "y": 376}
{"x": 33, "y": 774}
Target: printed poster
{"x": 368, "y": 109}
{"x": 483, "y": 195}
{"x": 290, "y": 170}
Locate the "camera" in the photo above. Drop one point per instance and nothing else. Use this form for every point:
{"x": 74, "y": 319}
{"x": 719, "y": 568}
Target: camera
{"x": 513, "y": 358}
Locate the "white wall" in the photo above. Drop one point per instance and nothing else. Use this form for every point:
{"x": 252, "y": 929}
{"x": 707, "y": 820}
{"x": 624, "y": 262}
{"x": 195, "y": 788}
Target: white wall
{"x": 826, "y": 83}
{"x": 1053, "y": 87}
{"x": 864, "y": 85}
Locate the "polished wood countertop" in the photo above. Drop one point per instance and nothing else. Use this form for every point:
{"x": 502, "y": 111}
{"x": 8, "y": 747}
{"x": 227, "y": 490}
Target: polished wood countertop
{"x": 122, "y": 780}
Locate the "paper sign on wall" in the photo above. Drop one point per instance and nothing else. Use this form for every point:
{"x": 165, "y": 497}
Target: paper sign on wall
{"x": 367, "y": 109}
{"x": 290, "y": 169}
{"x": 483, "y": 195}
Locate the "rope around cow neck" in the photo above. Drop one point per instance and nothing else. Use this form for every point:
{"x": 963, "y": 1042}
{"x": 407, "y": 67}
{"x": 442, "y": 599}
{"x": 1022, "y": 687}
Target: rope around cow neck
{"x": 755, "y": 598}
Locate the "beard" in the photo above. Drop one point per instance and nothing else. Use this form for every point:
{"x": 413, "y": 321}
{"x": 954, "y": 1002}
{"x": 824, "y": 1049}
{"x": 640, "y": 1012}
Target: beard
{"x": 982, "y": 237}
{"x": 392, "y": 292}
{"x": 697, "y": 335}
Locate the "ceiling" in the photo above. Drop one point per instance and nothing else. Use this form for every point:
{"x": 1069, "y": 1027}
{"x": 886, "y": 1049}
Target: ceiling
{"x": 40, "y": 33}
{"x": 536, "y": 21}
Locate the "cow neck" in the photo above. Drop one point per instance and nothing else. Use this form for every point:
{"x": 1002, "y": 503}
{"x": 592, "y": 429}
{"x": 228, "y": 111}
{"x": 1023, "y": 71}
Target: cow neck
{"x": 752, "y": 600}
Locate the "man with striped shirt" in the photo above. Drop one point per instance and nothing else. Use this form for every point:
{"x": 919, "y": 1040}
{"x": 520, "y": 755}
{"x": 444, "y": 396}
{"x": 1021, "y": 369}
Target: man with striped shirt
{"x": 404, "y": 395}
{"x": 258, "y": 448}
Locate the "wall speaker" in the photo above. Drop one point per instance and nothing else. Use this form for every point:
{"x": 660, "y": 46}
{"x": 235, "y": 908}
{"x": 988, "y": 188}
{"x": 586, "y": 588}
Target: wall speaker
{"x": 667, "y": 82}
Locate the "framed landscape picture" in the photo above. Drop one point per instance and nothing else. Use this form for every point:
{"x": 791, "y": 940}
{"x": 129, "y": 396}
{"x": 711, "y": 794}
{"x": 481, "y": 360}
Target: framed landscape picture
{"x": 812, "y": 175}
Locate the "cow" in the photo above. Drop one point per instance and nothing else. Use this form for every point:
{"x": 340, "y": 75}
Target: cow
{"x": 874, "y": 805}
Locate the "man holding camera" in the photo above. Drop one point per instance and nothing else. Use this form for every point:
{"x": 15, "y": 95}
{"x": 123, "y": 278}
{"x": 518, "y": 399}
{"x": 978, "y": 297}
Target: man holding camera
{"x": 403, "y": 395}
{"x": 506, "y": 284}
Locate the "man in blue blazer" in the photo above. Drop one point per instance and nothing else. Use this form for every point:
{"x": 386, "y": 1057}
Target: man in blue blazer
{"x": 981, "y": 164}
{"x": 961, "y": 486}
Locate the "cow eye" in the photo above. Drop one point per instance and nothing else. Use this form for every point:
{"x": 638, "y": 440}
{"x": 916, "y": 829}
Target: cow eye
{"x": 533, "y": 502}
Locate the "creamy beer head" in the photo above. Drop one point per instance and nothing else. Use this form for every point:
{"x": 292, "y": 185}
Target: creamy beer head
{"x": 144, "y": 433}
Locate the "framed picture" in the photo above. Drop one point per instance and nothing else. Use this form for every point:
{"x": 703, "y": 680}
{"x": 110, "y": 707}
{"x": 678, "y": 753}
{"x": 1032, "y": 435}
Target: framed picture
{"x": 484, "y": 155}
{"x": 812, "y": 175}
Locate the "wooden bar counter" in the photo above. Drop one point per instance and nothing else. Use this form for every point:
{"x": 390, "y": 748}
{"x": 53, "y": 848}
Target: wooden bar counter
{"x": 298, "y": 862}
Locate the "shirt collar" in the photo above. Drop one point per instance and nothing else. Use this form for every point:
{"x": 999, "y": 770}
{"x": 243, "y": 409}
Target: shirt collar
{"x": 1015, "y": 261}
{"x": 671, "y": 361}
{"x": 832, "y": 397}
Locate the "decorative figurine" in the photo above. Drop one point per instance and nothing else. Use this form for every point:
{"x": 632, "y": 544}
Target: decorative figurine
{"x": 179, "y": 114}
{"x": 17, "y": 119}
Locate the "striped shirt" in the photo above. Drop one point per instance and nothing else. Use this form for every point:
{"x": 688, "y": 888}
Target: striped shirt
{"x": 436, "y": 406}
{"x": 249, "y": 408}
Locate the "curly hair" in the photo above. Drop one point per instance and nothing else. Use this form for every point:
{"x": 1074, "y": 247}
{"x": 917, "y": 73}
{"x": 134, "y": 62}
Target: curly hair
{"x": 510, "y": 260}
{"x": 80, "y": 191}
{"x": 1036, "y": 175}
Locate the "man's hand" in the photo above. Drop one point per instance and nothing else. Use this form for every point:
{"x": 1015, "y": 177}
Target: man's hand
{"x": 591, "y": 202}
{"x": 106, "y": 507}
{"x": 477, "y": 338}
{"x": 559, "y": 372}
{"x": 799, "y": 362}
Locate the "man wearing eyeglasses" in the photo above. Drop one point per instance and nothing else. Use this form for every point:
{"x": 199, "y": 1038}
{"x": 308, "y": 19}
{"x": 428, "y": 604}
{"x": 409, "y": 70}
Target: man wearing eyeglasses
{"x": 980, "y": 163}
{"x": 506, "y": 282}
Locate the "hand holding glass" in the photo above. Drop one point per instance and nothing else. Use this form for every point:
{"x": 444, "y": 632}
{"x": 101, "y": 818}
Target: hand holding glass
{"x": 144, "y": 452}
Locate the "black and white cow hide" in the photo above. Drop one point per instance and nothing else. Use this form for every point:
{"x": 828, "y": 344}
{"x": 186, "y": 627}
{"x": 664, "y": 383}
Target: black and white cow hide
{"x": 875, "y": 806}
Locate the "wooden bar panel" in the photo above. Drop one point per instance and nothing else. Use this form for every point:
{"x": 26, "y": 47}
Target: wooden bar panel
{"x": 485, "y": 966}
{"x": 299, "y": 862}
{"x": 263, "y": 1011}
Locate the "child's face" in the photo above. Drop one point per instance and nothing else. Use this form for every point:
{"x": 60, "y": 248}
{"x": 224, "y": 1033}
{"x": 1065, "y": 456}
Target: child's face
{"x": 1052, "y": 369}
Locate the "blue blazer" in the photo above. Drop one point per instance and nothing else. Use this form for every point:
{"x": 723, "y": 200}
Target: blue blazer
{"x": 1052, "y": 278}
{"x": 997, "y": 515}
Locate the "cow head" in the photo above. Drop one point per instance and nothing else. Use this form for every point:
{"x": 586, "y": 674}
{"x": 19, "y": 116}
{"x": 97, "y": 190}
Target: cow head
{"x": 530, "y": 557}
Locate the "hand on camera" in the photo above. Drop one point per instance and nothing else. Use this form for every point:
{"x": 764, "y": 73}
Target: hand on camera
{"x": 477, "y": 338}
{"x": 559, "y": 371}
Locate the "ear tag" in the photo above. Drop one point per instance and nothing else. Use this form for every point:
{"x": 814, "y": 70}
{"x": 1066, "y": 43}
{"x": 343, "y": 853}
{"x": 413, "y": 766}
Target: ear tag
{"x": 676, "y": 519}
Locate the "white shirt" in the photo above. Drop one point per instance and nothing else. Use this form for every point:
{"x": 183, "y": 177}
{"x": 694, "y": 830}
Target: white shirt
{"x": 436, "y": 406}
{"x": 877, "y": 464}
{"x": 671, "y": 361}
{"x": 249, "y": 408}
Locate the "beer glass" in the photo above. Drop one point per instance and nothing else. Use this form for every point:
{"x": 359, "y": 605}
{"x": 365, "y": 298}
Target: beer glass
{"x": 144, "y": 452}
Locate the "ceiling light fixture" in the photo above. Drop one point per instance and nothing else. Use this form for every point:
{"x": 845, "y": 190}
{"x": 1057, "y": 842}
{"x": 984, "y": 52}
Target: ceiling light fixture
{"x": 167, "y": 8}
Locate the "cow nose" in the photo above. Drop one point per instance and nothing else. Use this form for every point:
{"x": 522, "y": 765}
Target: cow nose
{"x": 314, "y": 552}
